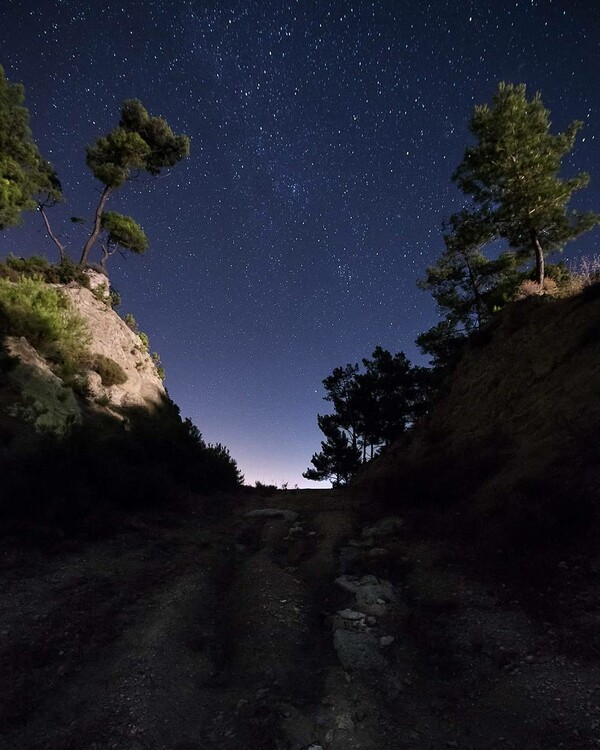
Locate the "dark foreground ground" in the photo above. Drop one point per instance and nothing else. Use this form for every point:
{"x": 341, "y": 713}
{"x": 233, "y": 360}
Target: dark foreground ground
{"x": 224, "y": 631}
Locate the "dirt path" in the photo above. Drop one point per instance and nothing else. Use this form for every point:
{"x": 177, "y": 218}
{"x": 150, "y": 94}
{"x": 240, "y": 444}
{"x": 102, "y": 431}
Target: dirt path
{"x": 231, "y": 632}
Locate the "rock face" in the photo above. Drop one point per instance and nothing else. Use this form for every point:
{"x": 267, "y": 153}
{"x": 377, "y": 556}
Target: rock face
{"x": 112, "y": 338}
{"x": 33, "y": 394}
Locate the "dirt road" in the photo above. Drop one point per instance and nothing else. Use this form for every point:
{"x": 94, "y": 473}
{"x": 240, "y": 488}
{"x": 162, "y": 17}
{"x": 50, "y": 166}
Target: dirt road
{"x": 230, "y": 631}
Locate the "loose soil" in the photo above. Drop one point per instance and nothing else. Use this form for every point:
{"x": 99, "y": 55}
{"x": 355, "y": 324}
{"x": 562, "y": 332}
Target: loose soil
{"x": 215, "y": 630}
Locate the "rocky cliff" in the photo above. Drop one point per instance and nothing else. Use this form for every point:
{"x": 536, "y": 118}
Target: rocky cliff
{"x": 118, "y": 372}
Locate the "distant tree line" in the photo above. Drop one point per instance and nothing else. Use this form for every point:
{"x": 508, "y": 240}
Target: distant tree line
{"x": 139, "y": 144}
{"x": 516, "y": 216}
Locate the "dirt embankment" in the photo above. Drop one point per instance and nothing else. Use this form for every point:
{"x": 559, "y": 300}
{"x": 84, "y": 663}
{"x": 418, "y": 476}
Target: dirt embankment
{"x": 284, "y": 631}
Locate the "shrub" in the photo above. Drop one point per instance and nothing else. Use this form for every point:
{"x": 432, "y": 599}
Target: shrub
{"x": 131, "y": 323}
{"x": 114, "y": 298}
{"x": 145, "y": 341}
{"x": 265, "y": 489}
{"x": 583, "y": 274}
{"x": 65, "y": 272}
{"x": 32, "y": 267}
{"x": 39, "y": 267}
{"x": 44, "y": 316}
{"x": 529, "y": 288}
{"x": 110, "y": 372}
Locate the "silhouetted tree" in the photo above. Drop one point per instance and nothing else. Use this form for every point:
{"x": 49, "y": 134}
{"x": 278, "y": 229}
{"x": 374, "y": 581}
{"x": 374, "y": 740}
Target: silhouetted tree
{"x": 371, "y": 409}
{"x": 466, "y": 285}
{"x": 338, "y": 460}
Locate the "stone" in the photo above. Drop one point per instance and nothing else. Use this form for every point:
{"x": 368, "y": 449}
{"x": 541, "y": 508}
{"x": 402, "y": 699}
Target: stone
{"x": 377, "y": 552}
{"x": 386, "y": 640}
{"x": 351, "y": 614}
{"x": 360, "y": 653}
{"x": 111, "y": 337}
{"x": 384, "y": 528}
{"x": 371, "y": 593}
{"x": 344, "y": 721}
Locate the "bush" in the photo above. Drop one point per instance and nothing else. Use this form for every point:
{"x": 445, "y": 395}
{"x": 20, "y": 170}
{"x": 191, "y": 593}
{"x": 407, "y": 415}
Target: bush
{"x": 110, "y": 372}
{"x": 529, "y": 288}
{"x": 131, "y": 323}
{"x": 39, "y": 267}
{"x": 43, "y": 315}
{"x": 32, "y": 267}
{"x": 265, "y": 489}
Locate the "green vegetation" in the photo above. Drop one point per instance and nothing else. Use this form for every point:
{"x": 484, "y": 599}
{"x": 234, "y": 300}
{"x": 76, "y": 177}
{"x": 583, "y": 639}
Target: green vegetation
{"x": 496, "y": 253}
{"x": 512, "y": 177}
{"x": 84, "y": 482}
{"x": 65, "y": 463}
{"x": 121, "y": 233}
{"x": 24, "y": 175}
{"x": 110, "y": 372}
{"x": 131, "y": 323}
{"x": 139, "y": 143}
{"x": 42, "y": 314}
{"x": 38, "y": 266}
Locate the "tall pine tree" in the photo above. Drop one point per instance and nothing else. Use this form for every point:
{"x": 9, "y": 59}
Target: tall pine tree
{"x": 512, "y": 176}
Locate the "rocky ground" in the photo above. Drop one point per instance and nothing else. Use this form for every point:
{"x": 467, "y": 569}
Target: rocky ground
{"x": 287, "y": 623}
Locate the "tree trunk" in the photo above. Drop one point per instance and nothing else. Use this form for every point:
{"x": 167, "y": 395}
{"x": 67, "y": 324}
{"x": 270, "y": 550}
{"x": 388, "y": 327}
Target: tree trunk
{"x": 53, "y": 237}
{"x": 539, "y": 261}
{"x": 476, "y": 295}
{"x": 97, "y": 225}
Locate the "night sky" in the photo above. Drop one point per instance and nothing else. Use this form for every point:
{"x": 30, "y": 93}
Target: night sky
{"x": 323, "y": 139}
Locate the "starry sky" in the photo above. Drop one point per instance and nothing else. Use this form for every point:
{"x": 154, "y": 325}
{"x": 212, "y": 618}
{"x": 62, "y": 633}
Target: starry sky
{"x": 323, "y": 139}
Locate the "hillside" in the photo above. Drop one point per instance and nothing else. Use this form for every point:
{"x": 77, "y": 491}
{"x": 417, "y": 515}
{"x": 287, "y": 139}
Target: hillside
{"x": 87, "y": 430}
{"x": 510, "y": 448}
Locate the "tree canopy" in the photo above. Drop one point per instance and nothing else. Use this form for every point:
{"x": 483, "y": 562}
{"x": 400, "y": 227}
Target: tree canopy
{"x": 24, "y": 174}
{"x": 140, "y": 143}
{"x": 121, "y": 233}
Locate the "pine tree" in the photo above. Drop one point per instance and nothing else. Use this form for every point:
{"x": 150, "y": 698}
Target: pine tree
{"x": 338, "y": 460}
{"x": 371, "y": 409}
{"x": 466, "y": 285}
{"x": 512, "y": 176}
{"x": 140, "y": 143}
{"x": 24, "y": 174}
{"x": 121, "y": 233}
